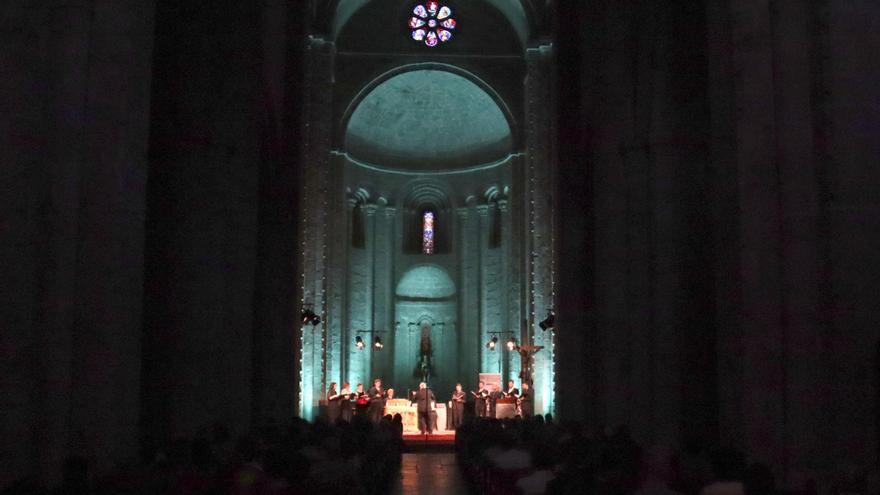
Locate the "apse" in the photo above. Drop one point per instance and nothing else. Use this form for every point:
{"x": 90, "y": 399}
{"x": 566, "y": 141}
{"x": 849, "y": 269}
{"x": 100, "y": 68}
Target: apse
{"x": 426, "y": 210}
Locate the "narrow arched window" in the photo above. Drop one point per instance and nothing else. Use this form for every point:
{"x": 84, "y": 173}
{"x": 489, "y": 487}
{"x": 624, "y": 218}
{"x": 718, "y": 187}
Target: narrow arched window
{"x": 428, "y": 232}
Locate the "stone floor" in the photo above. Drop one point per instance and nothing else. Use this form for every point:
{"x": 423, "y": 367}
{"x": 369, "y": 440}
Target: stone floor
{"x": 430, "y": 474}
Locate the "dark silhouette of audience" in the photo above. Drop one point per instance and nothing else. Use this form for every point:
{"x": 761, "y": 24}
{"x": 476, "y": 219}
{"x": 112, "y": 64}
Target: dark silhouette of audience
{"x": 518, "y": 456}
{"x": 537, "y": 455}
{"x": 302, "y": 458}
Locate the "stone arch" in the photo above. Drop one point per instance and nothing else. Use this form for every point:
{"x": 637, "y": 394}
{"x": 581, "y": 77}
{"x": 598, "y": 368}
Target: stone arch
{"x": 428, "y": 117}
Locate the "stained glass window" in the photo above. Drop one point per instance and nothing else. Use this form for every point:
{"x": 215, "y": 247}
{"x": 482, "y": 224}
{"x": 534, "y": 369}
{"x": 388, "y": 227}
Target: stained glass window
{"x": 432, "y": 23}
{"x": 428, "y": 232}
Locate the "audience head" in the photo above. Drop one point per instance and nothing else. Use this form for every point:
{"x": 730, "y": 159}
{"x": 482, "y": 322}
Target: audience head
{"x": 759, "y": 480}
{"x": 728, "y": 464}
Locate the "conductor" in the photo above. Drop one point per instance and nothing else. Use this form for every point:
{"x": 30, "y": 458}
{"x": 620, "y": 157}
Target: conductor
{"x": 424, "y": 399}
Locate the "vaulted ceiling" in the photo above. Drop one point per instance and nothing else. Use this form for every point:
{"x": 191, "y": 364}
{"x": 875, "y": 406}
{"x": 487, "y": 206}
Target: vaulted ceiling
{"x": 428, "y": 120}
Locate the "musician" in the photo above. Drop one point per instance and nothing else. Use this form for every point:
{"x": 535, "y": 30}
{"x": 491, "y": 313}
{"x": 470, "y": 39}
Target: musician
{"x": 525, "y": 402}
{"x": 458, "y": 400}
{"x": 424, "y": 399}
{"x": 512, "y": 391}
{"x": 361, "y": 400}
{"x": 389, "y": 394}
{"x": 377, "y": 401}
{"x": 491, "y": 400}
{"x": 334, "y": 404}
{"x": 480, "y": 397}
{"x": 346, "y": 403}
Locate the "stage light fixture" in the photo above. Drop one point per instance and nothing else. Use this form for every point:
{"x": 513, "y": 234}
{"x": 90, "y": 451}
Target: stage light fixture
{"x": 309, "y": 316}
{"x": 491, "y": 344}
{"x": 359, "y": 342}
{"x": 377, "y": 343}
{"x": 548, "y": 322}
{"x": 511, "y": 344}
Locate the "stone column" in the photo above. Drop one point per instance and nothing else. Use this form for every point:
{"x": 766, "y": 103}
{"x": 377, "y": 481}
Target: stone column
{"x": 320, "y": 55}
{"x": 471, "y": 350}
{"x": 540, "y": 170}
{"x": 493, "y": 361}
{"x": 68, "y": 86}
{"x": 383, "y": 311}
{"x": 370, "y": 292}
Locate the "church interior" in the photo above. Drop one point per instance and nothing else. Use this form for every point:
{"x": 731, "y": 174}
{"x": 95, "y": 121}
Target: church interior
{"x": 660, "y": 220}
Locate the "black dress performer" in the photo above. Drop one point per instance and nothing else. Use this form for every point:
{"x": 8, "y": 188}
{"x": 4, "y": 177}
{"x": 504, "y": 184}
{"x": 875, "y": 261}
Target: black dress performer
{"x": 458, "y": 400}
{"x": 480, "y": 397}
{"x": 377, "y": 401}
{"x": 526, "y": 405}
{"x": 424, "y": 400}
{"x": 334, "y": 404}
{"x": 346, "y": 404}
{"x": 361, "y": 400}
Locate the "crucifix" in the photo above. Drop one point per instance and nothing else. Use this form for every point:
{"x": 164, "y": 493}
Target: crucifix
{"x": 527, "y": 357}
{"x": 423, "y": 364}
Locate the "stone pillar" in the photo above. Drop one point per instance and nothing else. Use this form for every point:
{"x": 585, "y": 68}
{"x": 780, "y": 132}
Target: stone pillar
{"x": 383, "y": 310}
{"x": 346, "y": 337}
{"x": 493, "y": 360}
{"x": 539, "y": 187}
{"x": 471, "y": 350}
{"x": 319, "y": 76}
{"x": 90, "y": 312}
{"x": 68, "y": 86}
{"x": 370, "y": 255}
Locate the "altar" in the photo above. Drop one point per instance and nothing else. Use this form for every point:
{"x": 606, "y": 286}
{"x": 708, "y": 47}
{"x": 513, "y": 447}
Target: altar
{"x": 410, "y": 415}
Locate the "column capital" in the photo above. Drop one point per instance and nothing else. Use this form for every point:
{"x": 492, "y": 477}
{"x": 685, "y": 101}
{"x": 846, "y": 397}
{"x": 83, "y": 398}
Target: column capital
{"x": 390, "y": 212}
{"x": 462, "y": 212}
{"x": 370, "y": 210}
{"x": 502, "y": 205}
{"x": 483, "y": 210}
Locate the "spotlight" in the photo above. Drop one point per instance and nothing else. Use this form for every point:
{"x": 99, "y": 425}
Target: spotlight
{"x": 549, "y": 321}
{"x": 511, "y": 344}
{"x": 359, "y": 342}
{"x": 491, "y": 344}
{"x": 377, "y": 343}
{"x": 309, "y": 316}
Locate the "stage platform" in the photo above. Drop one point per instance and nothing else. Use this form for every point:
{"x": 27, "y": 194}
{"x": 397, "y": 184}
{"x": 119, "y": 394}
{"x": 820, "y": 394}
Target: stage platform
{"x": 439, "y": 441}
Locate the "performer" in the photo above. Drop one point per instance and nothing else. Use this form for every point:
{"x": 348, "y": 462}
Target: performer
{"x": 361, "y": 399}
{"x": 377, "y": 401}
{"x": 346, "y": 403}
{"x": 524, "y": 402}
{"x": 334, "y": 404}
{"x": 512, "y": 391}
{"x": 424, "y": 399}
{"x": 480, "y": 396}
{"x": 491, "y": 400}
{"x": 389, "y": 394}
{"x": 458, "y": 400}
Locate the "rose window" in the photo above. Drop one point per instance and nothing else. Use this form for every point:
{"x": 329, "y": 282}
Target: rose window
{"x": 432, "y": 23}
